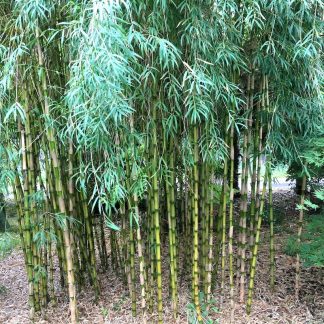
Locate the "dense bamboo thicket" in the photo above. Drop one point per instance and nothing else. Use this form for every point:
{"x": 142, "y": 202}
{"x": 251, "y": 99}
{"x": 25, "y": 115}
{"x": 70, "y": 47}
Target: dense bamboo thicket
{"x": 120, "y": 128}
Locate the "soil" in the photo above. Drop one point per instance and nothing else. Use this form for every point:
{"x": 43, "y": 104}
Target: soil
{"x": 114, "y": 306}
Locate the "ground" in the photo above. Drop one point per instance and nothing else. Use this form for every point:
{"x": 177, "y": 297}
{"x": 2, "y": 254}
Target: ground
{"x": 114, "y": 305}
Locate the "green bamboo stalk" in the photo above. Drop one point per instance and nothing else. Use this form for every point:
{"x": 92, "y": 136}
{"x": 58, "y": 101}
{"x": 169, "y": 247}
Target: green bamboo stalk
{"x": 151, "y": 271}
{"x": 171, "y": 250}
{"x": 27, "y": 228}
{"x": 57, "y": 230}
{"x": 127, "y": 266}
{"x": 255, "y": 247}
{"x": 124, "y": 247}
{"x": 231, "y": 227}
{"x": 85, "y": 265}
{"x": 18, "y": 195}
{"x": 132, "y": 269}
{"x": 188, "y": 260}
{"x": 46, "y": 256}
{"x": 272, "y": 248}
{"x": 97, "y": 237}
{"x": 241, "y": 244}
{"x": 58, "y": 181}
{"x": 141, "y": 259}
{"x": 209, "y": 265}
{"x": 152, "y": 254}
{"x": 113, "y": 251}
{"x": 206, "y": 241}
{"x": 103, "y": 242}
{"x": 157, "y": 217}
{"x": 50, "y": 256}
{"x": 172, "y": 229}
{"x": 254, "y": 178}
{"x": 90, "y": 242}
{"x": 31, "y": 191}
{"x": 168, "y": 204}
{"x": 255, "y": 156}
{"x": 224, "y": 211}
{"x": 254, "y": 188}
{"x": 195, "y": 266}
{"x": 72, "y": 213}
{"x": 131, "y": 241}
{"x": 184, "y": 204}
{"x": 272, "y": 245}
{"x": 43, "y": 278}
{"x": 202, "y": 219}
{"x": 217, "y": 256}
{"x": 192, "y": 242}
{"x": 243, "y": 208}
{"x": 262, "y": 106}
{"x": 300, "y": 228}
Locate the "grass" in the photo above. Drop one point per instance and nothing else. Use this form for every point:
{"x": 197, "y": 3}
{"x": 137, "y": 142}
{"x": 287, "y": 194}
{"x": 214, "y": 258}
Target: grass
{"x": 312, "y": 242}
{"x": 291, "y": 246}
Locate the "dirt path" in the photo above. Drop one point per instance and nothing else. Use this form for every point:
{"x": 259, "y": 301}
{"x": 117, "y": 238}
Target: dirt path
{"x": 13, "y": 290}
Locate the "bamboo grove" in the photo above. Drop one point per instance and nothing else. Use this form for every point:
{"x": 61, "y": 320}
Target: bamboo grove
{"x": 121, "y": 127}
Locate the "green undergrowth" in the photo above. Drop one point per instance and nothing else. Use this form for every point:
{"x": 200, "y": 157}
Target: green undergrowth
{"x": 312, "y": 242}
{"x": 207, "y": 310}
{"x": 8, "y": 242}
{"x": 278, "y": 216}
